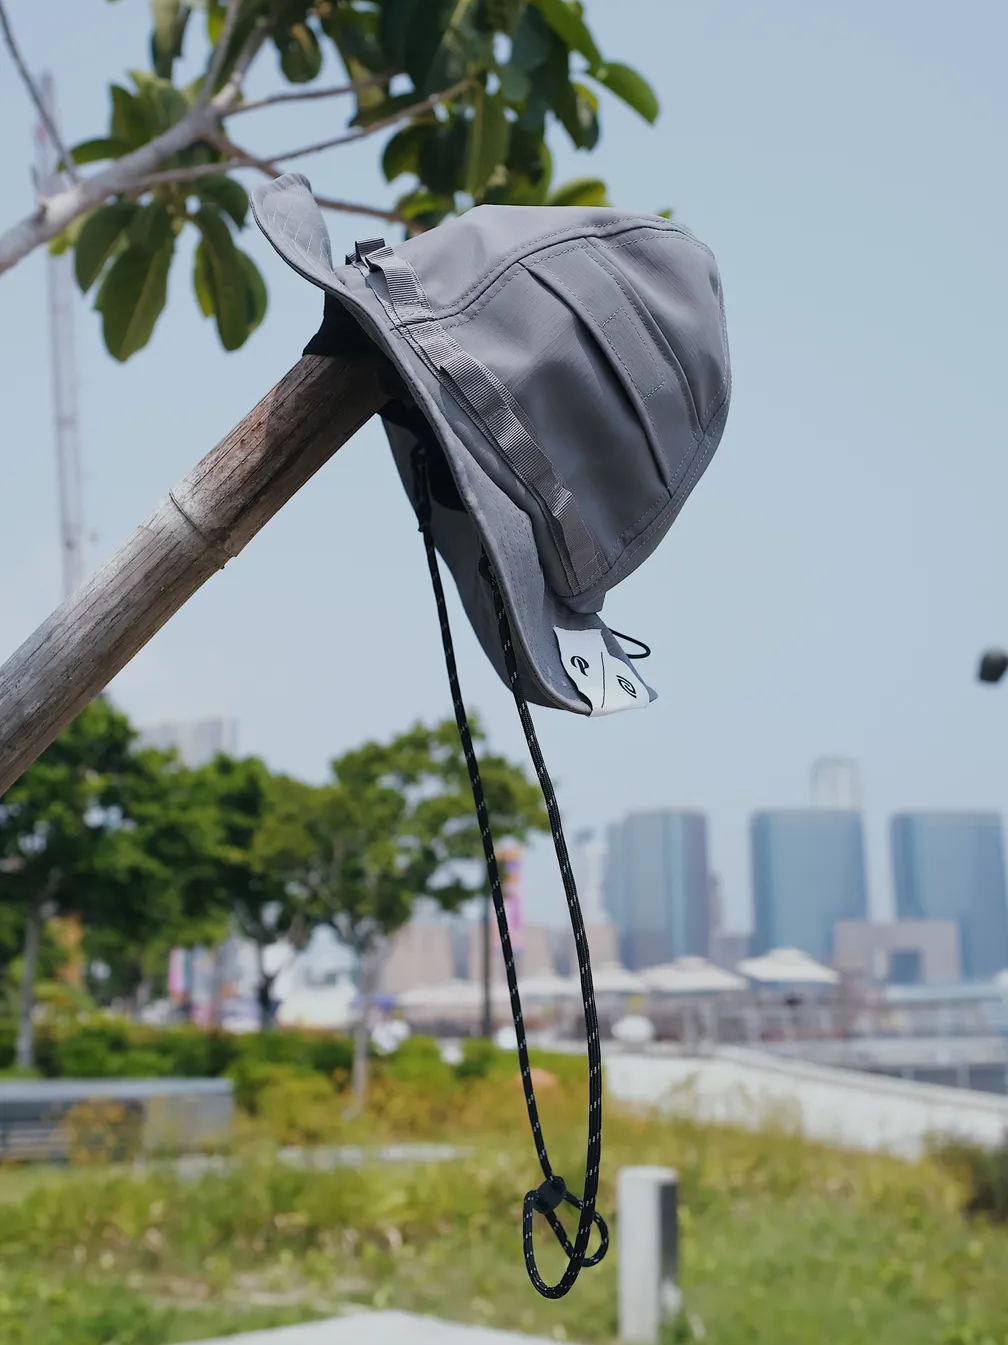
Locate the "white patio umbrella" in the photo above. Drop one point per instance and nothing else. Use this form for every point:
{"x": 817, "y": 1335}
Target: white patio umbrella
{"x": 609, "y": 978}
{"x": 324, "y": 1006}
{"x": 690, "y": 976}
{"x": 549, "y": 986}
{"x": 787, "y": 966}
{"x": 449, "y": 995}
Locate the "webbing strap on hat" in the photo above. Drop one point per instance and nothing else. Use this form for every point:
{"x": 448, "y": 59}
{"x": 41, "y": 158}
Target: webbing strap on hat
{"x": 553, "y": 1190}
{"x": 495, "y": 410}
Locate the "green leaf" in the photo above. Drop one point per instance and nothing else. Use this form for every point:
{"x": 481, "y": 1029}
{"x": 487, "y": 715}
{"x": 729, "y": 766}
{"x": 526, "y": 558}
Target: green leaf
{"x": 256, "y": 298}
{"x": 151, "y": 227}
{"x": 573, "y": 106}
{"x": 394, "y": 27}
{"x": 130, "y": 121}
{"x": 425, "y": 207}
{"x": 132, "y": 296}
{"x": 224, "y": 192}
{"x": 300, "y": 53}
{"x": 97, "y": 151}
{"x": 532, "y": 41}
{"x": 463, "y": 48}
{"x": 581, "y": 191}
{"x": 215, "y": 16}
{"x": 228, "y": 281}
{"x": 500, "y": 16}
{"x": 487, "y": 133}
{"x": 441, "y": 160}
{"x": 203, "y": 282}
{"x": 67, "y": 238}
{"x": 566, "y": 21}
{"x": 169, "y": 23}
{"x": 400, "y": 155}
{"x": 97, "y": 240}
{"x": 630, "y": 87}
{"x": 163, "y": 105}
{"x": 354, "y": 33}
{"x": 515, "y": 85}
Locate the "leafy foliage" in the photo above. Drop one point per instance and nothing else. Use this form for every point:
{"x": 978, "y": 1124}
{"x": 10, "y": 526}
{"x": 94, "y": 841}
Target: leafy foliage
{"x": 116, "y": 837}
{"x": 484, "y": 80}
{"x": 397, "y": 823}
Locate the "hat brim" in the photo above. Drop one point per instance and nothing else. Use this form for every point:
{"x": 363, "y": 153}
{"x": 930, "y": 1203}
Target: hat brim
{"x": 287, "y": 214}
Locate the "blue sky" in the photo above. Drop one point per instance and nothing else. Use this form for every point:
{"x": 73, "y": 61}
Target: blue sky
{"x": 834, "y": 575}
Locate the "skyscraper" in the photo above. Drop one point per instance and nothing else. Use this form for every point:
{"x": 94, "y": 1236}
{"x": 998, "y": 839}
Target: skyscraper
{"x": 657, "y": 886}
{"x": 950, "y": 866}
{"x": 808, "y": 868}
{"x": 588, "y": 862}
{"x": 196, "y": 741}
{"x": 835, "y": 783}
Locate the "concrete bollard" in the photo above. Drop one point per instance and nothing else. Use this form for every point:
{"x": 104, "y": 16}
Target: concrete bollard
{"x": 648, "y": 1231}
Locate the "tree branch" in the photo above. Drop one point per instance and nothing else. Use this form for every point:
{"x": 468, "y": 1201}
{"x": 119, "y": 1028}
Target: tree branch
{"x": 242, "y": 160}
{"x": 350, "y": 208}
{"x": 404, "y": 113}
{"x": 219, "y": 54}
{"x": 54, "y": 214}
{"x": 34, "y": 94}
{"x": 306, "y": 95}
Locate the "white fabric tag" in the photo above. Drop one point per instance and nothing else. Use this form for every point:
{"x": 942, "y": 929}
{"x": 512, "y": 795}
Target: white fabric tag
{"x": 606, "y": 682}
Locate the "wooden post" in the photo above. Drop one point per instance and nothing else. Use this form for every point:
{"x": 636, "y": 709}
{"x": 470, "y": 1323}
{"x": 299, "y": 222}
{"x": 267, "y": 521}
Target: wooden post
{"x": 206, "y": 519}
{"x": 648, "y": 1271}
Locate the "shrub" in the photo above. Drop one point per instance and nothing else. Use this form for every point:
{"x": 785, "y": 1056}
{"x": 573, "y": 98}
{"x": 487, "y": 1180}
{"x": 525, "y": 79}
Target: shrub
{"x": 299, "y": 1109}
{"x": 479, "y": 1057}
{"x": 418, "y": 1061}
{"x": 8, "y": 1042}
{"x": 984, "y": 1173}
{"x": 94, "y": 1051}
{"x": 192, "y": 1053}
{"x": 251, "y": 1077}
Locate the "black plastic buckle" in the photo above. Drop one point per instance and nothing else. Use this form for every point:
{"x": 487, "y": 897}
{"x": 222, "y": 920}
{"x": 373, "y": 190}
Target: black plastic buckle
{"x": 361, "y": 249}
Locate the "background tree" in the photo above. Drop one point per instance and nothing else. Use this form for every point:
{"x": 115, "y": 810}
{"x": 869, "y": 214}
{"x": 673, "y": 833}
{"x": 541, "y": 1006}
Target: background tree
{"x": 116, "y": 837}
{"x": 251, "y": 880}
{"x": 467, "y": 90}
{"x": 156, "y": 874}
{"x": 52, "y": 824}
{"x": 396, "y": 824}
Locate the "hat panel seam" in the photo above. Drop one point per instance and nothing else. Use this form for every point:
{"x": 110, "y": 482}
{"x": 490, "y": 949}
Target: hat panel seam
{"x": 544, "y": 241}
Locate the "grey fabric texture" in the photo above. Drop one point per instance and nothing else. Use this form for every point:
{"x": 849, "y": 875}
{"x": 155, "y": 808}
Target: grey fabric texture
{"x": 572, "y": 364}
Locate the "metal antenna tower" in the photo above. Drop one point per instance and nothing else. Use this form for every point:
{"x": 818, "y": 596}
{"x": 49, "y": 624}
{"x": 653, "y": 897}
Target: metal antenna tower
{"x": 60, "y": 286}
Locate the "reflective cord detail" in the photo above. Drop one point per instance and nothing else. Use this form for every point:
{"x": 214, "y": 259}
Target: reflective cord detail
{"x": 553, "y": 1191}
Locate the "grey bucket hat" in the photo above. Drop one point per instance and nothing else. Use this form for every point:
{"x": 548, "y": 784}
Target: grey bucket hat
{"x": 571, "y": 373}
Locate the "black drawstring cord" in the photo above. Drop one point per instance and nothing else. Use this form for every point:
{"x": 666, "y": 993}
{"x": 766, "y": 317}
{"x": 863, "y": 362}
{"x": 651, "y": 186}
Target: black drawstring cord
{"x": 639, "y": 643}
{"x": 553, "y": 1190}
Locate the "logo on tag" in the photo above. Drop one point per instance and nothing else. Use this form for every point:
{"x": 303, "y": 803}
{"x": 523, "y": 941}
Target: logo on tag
{"x": 607, "y": 683}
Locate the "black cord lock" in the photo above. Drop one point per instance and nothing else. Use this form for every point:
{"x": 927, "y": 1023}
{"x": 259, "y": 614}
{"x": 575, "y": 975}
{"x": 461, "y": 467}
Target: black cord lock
{"x": 550, "y": 1195}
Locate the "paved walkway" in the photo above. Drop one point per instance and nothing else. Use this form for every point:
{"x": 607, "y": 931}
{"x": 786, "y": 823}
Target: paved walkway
{"x": 192, "y": 1166}
{"x": 379, "y": 1328}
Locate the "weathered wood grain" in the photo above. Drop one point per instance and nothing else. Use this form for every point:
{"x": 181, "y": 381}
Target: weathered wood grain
{"x": 206, "y": 519}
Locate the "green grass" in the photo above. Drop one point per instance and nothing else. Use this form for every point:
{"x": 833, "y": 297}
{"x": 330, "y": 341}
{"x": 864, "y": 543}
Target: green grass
{"x": 783, "y": 1241}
